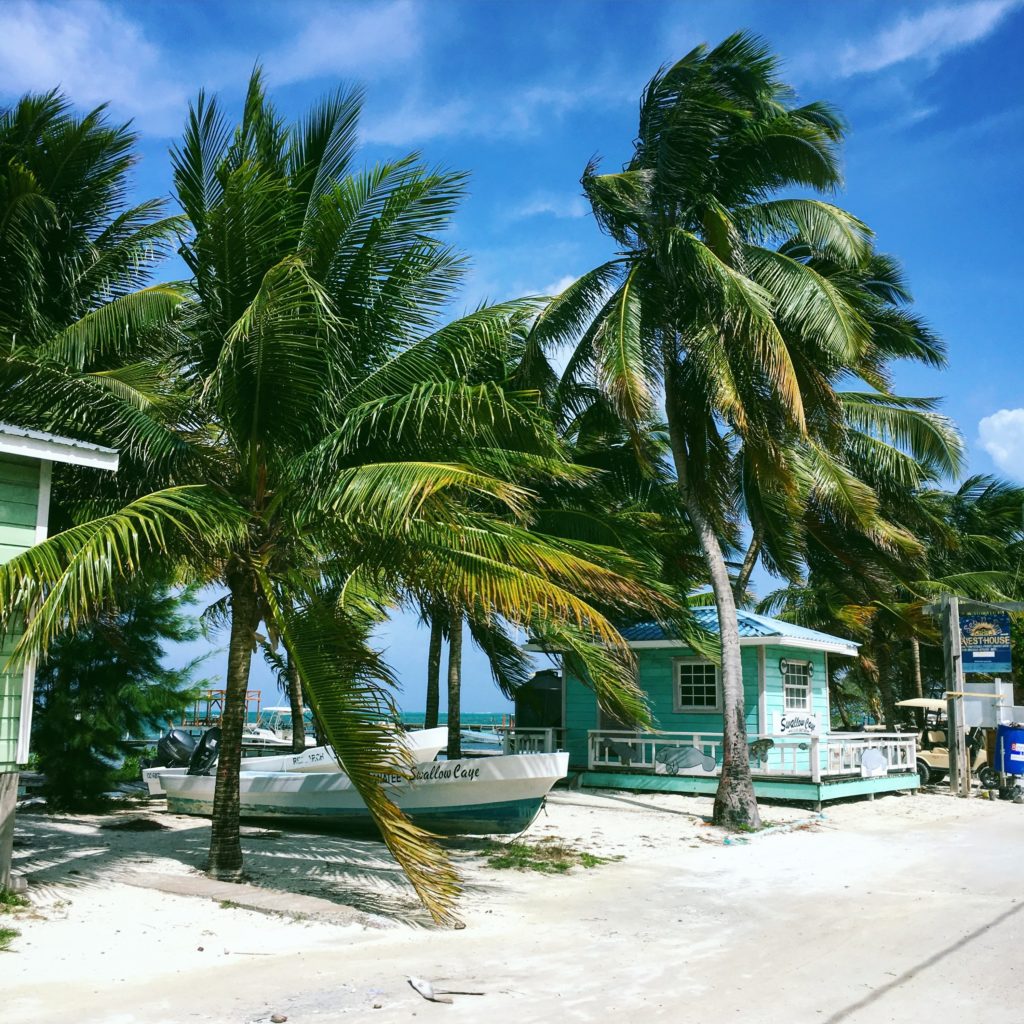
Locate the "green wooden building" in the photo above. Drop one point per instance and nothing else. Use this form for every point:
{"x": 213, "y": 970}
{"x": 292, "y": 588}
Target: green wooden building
{"x": 26, "y": 467}
{"x": 794, "y": 751}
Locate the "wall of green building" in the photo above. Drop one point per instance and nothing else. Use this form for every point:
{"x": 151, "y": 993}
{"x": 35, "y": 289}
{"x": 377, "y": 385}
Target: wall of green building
{"x": 656, "y": 679}
{"x": 19, "y": 501}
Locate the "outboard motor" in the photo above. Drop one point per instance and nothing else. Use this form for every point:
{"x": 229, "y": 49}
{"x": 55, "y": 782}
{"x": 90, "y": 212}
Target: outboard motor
{"x": 175, "y": 749}
{"x": 204, "y": 757}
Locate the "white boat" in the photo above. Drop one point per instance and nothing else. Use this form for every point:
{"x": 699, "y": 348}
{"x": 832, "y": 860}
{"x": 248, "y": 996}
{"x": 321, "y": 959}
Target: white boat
{"x": 273, "y": 728}
{"x": 473, "y": 796}
{"x": 422, "y": 745}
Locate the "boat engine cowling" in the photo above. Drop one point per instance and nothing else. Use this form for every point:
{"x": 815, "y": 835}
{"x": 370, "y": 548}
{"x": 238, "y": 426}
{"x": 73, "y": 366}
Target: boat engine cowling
{"x": 204, "y": 757}
{"x": 175, "y": 749}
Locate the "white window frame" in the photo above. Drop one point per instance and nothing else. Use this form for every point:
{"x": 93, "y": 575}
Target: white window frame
{"x": 808, "y": 705}
{"x": 690, "y": 709}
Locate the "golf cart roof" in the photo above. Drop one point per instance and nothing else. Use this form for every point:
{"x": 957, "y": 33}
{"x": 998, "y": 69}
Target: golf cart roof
{"x": 928, "y": 703}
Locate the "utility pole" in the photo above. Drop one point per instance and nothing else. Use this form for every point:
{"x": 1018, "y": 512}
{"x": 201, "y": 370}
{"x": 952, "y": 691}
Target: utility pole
{"x": 956, "y": 731}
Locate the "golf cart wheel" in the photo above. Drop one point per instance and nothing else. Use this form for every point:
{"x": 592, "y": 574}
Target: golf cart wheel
{"x": 926, "y": 774}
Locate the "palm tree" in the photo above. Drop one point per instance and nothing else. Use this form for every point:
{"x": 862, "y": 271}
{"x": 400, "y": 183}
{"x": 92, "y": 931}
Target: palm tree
{"x": 318, "y": 448}
{"x": 454, "y": 747}
{"x": 715, "y": 304}
{"x": 69, "y": 242}
{"x": 433, "y": 699}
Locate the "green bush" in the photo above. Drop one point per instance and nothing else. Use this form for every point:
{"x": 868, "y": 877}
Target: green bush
{"x": 106, "y": 682}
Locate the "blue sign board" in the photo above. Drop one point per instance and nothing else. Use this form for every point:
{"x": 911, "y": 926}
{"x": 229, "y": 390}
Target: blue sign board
{"x": 985, "y": 642}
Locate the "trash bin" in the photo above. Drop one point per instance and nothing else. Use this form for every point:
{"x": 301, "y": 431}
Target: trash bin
{"x": 1010, "y": 746}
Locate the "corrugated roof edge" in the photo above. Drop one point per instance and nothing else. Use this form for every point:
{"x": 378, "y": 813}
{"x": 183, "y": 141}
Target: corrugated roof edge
{"x": 753, "y": 628}
{"x": 39, "y": 444}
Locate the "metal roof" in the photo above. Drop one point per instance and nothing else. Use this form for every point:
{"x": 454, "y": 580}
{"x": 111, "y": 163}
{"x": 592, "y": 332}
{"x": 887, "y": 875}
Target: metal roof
{"x": 752, "y": 627}
{"x": 37, "y": 444}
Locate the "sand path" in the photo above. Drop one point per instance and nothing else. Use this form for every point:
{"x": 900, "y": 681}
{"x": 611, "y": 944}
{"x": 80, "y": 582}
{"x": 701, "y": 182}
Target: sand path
{"x": 874, "y": 912}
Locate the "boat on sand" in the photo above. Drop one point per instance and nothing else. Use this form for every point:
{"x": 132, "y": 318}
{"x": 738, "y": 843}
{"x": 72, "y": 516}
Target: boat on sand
{"x": 473, "y": 796}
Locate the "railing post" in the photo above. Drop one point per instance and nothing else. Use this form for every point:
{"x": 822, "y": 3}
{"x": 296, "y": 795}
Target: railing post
{"x": 815, "y": 759}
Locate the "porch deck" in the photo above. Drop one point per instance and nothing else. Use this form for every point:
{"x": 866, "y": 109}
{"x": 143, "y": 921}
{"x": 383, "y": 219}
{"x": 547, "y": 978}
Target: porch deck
{"x": 807, "y": 768}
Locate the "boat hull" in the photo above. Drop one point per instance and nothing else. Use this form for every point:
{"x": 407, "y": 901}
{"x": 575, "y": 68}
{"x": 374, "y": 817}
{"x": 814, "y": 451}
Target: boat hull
{"x": 467, "y": 797}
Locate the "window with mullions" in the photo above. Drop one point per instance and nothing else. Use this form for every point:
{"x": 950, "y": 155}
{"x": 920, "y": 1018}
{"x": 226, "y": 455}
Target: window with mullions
{"x": 796, "y": 685}
{"x": 697, "y": 686}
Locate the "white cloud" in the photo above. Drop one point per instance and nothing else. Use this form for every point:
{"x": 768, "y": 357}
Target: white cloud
{"x": 95, "y": 54}
{"x": 559, "y": 286}
{"x": 415, "y": 121}
{"x": 541, "y": 204}
{"x": 926, "y": 36}
{"x": 1002, "y": 436}
{"x": 338, "y": 40}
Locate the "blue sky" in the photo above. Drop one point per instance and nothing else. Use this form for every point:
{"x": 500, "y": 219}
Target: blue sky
{"x": 523, "y": 94}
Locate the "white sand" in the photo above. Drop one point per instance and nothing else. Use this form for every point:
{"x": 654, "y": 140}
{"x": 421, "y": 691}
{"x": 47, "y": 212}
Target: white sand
{"x": 123, "y": 927}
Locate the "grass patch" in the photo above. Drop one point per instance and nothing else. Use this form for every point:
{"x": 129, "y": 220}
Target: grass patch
{"x": 11, "y": 901}
{"x": 7, "y": 936}
{"x": 229, "y": 905}
{"x": 549, "y": 856}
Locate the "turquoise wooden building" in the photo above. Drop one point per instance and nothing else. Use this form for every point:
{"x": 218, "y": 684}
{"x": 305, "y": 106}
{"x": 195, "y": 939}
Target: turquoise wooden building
{"x": 794, "y": 752}
{"x": 27, "y": 458}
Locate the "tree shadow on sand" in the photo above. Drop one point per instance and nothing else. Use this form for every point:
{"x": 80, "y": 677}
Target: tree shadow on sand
{"x": 58, "y": 853}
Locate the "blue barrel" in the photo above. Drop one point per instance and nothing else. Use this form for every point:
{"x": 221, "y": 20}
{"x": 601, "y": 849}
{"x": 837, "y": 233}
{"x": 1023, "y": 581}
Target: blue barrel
{"x": 1010, "y": 749}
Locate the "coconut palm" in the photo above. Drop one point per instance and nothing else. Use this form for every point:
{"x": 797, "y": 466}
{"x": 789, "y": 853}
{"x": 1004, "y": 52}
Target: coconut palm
{"x": 75, "y": 260}
{"x": 320, "y": 448}
{"x": 712, "y": 307}
{"x": 69, "y": 241}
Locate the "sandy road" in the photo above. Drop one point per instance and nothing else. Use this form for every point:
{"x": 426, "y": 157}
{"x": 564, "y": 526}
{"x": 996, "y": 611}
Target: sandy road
{"x": 881, "y": 911}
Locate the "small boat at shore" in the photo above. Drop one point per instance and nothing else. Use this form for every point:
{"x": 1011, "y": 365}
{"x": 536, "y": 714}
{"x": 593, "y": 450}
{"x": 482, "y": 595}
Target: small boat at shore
{"x": 274, "y": 727}
{"x": 421, "y": 744}
{"x": 472, "y": 796}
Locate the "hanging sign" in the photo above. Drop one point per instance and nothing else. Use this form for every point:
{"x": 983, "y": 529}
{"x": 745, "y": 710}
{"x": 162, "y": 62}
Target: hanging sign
{"x": 985, "y": 642}
{"x": 794, "y": 723}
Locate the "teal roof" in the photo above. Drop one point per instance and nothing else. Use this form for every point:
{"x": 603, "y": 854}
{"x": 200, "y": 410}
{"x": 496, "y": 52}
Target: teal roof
{"x": 751, "y": 626}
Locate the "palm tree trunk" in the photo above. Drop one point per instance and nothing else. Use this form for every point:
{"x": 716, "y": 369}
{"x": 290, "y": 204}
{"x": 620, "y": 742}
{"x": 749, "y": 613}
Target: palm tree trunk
{"x": 455, "y": 687}
{"x": 885, "y": 690}
{"x": 749, "y": 561}
{"x": 915, "y": 656}
{"x": 225, "y": 859}
{"x": 434, "y": 671}
{"x": 735, "y": 802}
{"x": 295, "y": 699}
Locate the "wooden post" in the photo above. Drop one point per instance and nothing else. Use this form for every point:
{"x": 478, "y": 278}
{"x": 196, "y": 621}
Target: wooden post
{"x": 956, "y": 733}
{"x": 8, "y": 800}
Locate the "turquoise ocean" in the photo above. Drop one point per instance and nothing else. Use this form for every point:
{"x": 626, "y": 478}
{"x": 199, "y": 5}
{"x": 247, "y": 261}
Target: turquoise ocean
{"x": 415, "y": 719}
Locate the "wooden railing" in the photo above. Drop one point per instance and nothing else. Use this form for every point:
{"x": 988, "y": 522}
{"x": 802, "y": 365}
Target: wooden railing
{"x": 808, "y": 757}
{"x": 846, "y": 751}
{"x": 529, "y": 741}
{"x": 208, "y": 708}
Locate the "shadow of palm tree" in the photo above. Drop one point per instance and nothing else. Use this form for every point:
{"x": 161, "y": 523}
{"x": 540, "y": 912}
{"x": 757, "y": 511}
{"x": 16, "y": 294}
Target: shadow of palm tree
{"x": 59, "y": 853}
